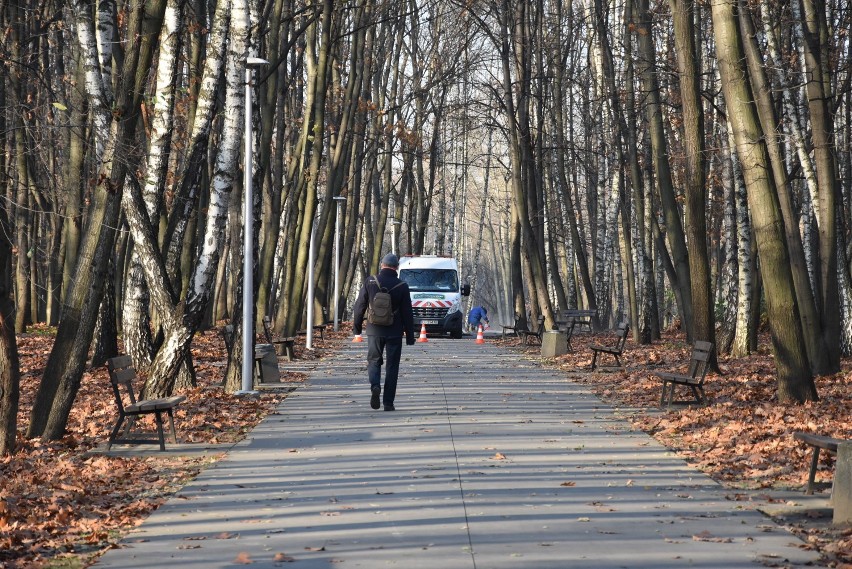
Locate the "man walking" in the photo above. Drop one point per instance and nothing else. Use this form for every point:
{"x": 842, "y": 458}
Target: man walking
{"x": 384, "y": 336}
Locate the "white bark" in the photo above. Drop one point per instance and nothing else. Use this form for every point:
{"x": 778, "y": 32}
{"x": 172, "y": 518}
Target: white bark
{"x": 94, "y": 87}
{"x": 809, "y": 207}
{"x": 162, "y": 113}
{"x": 225, "y": 169}
{"x": 808, "y": 169}
{"x": 741, "y": 346}
{"x": 728, "y": 287}
{"x": 106, "y": 38}
{"x": 136, "y": 308}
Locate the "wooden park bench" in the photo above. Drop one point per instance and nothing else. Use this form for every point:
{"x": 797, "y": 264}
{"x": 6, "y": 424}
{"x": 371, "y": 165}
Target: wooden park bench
{"x": 318, "y": 329}
{"x": 579, "y": 317}
{"x": 818, "y": 442}
{"x": 567, "y": 327}
{"x": 283, "y": 346}
{"x": 693, "y": 378}
{"x": 520, "y": 327}
{"x": 539, "y": 330}
{"x": 616, "y": 349}
{"x": 266, "y": 369}
{"x": 122, "y": 375}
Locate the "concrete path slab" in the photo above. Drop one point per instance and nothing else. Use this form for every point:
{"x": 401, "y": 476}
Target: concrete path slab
{"x": 490, "y": 462}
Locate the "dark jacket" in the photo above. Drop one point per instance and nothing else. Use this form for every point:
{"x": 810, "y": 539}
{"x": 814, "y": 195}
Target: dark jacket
{"x": 403, "y": 318}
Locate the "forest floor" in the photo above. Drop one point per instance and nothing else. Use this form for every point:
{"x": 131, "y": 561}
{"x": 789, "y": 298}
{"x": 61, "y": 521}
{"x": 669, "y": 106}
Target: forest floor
{"x": 62, "y": 505}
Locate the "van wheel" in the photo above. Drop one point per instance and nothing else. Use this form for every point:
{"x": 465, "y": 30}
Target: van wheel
{"x": 456, "y": 334}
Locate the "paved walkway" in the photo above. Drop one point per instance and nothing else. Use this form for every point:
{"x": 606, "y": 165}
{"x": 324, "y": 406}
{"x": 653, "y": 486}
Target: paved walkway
{"x": 490, "y": 461}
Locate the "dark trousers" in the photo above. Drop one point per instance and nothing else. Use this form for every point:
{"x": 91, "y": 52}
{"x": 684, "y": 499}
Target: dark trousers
{"x": 392, "y": 348}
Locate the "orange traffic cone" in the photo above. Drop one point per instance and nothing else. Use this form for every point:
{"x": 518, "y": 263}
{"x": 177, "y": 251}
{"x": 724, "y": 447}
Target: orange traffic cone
{"x": 479, "y": 338}
{"x": 357, "y": 338}
{"x": 423, "y": 337}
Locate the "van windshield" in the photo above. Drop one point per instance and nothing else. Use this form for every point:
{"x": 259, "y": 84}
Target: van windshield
{"x": 431, "y": 280}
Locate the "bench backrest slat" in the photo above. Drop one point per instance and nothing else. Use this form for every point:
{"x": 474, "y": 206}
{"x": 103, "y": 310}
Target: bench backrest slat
{"x": 700, "y": 361}
{"x": 228, "y": 336}
{"x": 122, "y": 373}
{"x": 267, "y": 329}
{"x": 621, "y": 333}
{"x": 119, "y": 362}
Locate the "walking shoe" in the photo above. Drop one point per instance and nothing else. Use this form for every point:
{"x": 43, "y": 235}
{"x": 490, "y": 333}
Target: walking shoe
{"x": 389, "y": 407}
{"x": 374, "y": 400}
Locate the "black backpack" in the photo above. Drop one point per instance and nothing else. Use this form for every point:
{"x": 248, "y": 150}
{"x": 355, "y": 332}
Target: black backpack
{"x": 380, "y": 310}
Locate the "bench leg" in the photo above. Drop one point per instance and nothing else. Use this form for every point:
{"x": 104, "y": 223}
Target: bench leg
{"x": 594, "y": 359}
{"x": 172, "y": 426}
{"x": 158, "y": 418}
{"x": 812, "y": 473}
{"x": 672, "y": 387}
{"x": 288, "y": 352}
{"x": 114, "y": 432}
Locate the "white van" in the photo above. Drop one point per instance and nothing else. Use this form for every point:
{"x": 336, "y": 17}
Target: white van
{"x": 436, "y": 293}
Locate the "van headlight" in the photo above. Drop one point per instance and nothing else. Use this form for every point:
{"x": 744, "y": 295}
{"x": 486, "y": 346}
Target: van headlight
{"x": 455, "y": 307}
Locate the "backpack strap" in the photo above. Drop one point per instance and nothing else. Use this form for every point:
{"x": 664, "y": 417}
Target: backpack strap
{"x": 375, "y": 280}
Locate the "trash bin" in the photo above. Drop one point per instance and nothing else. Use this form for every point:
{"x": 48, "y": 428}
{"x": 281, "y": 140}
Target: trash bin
{"x": 554, "y": 343}
{"x": 267, "y": 363}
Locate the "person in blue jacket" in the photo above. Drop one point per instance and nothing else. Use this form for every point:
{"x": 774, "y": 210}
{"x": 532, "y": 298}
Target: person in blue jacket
{"x": 477, "y": 315}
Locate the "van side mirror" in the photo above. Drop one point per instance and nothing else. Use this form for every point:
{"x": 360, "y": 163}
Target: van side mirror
{"x": 465, "y": 290}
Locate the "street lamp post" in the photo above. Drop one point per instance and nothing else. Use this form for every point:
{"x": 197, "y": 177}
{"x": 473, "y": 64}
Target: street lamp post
{"x": 248, "y": 238}
{"x": 339, "y": 201}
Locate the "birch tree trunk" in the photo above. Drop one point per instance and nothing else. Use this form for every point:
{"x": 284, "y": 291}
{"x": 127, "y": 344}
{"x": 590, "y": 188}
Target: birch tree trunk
{"x": 136, "y": 321}
{"x": 817, "y": 81}
{"x": 185, "y": 316}
{"x": 114, "y": 130}
{"x": 728, "y": 282}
